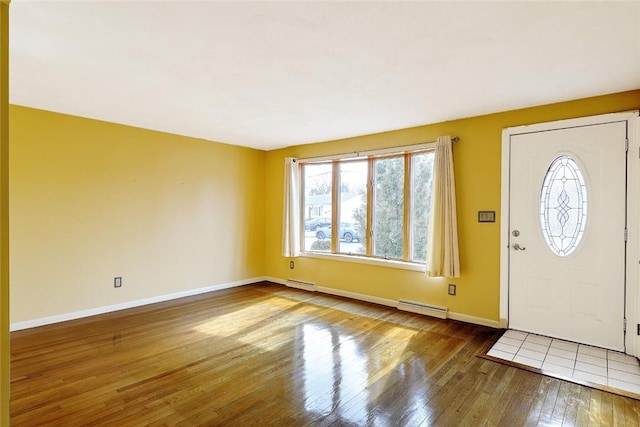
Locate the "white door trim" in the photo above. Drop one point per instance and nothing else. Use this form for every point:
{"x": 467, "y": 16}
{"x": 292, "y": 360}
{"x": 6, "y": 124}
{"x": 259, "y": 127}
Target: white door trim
{"x": 632, "y": 300}
{"x": 632, "y": 341}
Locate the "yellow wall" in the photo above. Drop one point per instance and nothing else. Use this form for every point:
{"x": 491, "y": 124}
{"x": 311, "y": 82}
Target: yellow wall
{"x": 477, "y": 170}
{"x": 91, "y": 200}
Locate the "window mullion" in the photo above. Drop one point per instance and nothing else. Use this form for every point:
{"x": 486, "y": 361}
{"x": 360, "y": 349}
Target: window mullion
{"x": 335, "y": 208}
{"x": 407, "y": 208}
{"x": 369, "y": 230}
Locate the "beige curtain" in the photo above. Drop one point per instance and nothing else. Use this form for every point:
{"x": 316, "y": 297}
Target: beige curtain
{"x": 443, "y": 259}
{"x": 291, "y": 217}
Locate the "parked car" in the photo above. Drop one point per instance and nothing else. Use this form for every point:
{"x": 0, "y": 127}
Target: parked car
{"x": 314, "y": 224}
{"x": 348, "y": 232}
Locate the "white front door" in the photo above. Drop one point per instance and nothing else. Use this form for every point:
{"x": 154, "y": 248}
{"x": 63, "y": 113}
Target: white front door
{"x": 567, "y": 219}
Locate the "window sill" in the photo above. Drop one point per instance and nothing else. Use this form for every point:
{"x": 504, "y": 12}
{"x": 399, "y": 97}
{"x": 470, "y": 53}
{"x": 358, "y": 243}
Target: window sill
{"x": 402, "y": 265}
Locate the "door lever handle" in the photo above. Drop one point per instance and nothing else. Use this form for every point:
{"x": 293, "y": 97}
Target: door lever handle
{"x": 517, "y": 247}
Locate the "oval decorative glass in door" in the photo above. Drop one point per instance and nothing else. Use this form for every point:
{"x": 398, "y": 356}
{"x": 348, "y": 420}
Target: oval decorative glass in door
{"x": 563, "y": 206}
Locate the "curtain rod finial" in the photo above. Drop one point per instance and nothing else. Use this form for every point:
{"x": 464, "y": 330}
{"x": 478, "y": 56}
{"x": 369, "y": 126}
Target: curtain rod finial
{"x": 455, "y": 139}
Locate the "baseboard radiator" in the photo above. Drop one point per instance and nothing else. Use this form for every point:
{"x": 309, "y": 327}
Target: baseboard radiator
{"x": 419, "y": 308}
{"x": 307, "y": 286}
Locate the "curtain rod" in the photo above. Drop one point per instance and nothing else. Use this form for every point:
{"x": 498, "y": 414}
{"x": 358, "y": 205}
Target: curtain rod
{"x": 379, "y": 151}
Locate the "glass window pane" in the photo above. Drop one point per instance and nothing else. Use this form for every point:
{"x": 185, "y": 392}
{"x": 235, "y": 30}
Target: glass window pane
{"x": 317, "y": 207}
{"x": 421, "y": 189}
{"x": 353, "y": 207}
{"x": 388, "y": 209}
{"x": 563, "y": 206}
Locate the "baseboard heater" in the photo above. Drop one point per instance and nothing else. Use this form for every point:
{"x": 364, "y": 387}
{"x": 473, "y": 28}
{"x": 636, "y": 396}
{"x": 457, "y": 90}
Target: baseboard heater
{"x": 307, "y": 286}
{"x": 419, "y": 308}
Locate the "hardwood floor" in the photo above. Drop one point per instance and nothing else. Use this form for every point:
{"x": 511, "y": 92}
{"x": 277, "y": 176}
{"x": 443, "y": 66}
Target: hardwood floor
{"x": 268, "y": 355}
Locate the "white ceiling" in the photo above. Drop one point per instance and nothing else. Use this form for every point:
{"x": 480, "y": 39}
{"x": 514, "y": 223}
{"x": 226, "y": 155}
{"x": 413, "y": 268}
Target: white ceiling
{"x": 272, "y": 74}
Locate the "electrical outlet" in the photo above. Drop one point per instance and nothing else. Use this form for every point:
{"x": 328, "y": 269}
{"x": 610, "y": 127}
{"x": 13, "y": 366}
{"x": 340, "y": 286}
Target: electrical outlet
{"x": 452, "y": 289}
{"x": 117, "y": 282}
{"x": 291, "y": 265}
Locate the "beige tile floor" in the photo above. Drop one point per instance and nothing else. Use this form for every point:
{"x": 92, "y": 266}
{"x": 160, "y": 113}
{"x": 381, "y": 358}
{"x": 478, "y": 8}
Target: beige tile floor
{"x": 570, "y": 360}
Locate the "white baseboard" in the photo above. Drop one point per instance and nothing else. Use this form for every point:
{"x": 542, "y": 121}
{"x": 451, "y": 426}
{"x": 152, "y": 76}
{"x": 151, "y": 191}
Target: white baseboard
{"x": 276, "y": 280}
{"x": 360, "y": 297}
{"x": 129, "y": 304}
{"x": 473, "y": 319}
{"x": 341, "y": 293}
{"x": 16, "y": 326}
{"x": 391, "y": 303}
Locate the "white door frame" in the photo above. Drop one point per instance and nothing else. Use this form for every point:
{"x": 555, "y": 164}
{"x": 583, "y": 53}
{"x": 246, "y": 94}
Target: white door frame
{"x": 632, "y": 297}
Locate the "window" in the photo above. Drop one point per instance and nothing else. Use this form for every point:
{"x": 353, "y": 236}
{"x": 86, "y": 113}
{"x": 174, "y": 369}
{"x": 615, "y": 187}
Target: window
{"x": 388, "y": 207}
{"x": 563, "y": 206}
{"x": 378, "y": 206}
{"x": 317, "y": 184}
{"x": 421, "y": 190}
{"x": 352, "y": 236}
